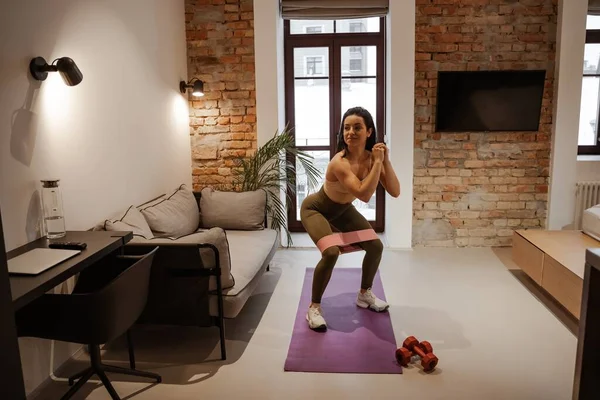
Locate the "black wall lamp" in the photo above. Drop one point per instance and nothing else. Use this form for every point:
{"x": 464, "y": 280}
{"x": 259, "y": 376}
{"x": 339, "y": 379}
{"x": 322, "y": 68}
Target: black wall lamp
{"x": 197, "y": 87}
{"x": 67, "y": 68}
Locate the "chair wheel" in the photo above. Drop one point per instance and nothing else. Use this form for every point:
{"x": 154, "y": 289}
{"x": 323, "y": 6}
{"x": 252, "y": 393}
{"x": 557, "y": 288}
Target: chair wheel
{"x": 159, "y": 379}
{"x": 71, "y": 382}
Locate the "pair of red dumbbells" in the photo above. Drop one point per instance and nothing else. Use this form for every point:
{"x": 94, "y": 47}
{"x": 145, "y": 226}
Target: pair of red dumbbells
{"x": 424, "y": 350}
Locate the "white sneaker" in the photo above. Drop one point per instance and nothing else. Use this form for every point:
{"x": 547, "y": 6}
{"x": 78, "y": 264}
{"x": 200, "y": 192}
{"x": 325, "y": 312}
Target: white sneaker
{"x": 315, "y": 319}
{"x": 369, "y": 300}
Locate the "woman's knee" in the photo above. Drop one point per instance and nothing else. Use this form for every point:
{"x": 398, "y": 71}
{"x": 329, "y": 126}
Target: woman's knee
{"x": 374, "y": 247}
{"x": 331, "y": 254}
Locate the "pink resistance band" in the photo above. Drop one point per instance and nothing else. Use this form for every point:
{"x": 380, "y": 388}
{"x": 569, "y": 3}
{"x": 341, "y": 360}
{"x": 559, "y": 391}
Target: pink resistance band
{"x": 346, "y": 240}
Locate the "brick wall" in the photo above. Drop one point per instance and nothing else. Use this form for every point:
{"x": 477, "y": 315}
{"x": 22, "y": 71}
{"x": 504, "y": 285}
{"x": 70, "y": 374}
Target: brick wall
{"x": 474, "y": 189}
{"x": 220, "y": 49}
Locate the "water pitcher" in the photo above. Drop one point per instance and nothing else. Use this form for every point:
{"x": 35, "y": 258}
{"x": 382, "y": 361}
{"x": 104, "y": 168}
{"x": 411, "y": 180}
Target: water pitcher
{"x": 54, "y": 218}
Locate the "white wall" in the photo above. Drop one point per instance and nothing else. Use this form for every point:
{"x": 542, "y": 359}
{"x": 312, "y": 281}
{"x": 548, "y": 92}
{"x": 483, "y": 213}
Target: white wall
{"x": 567, "y": 95}
{"x": 400, "y": 119}
{"x": 270, "y": 101}
{"x": 588, "y": 168}
{"x": 269, "y": 74}
{"x": 118, "y": 138}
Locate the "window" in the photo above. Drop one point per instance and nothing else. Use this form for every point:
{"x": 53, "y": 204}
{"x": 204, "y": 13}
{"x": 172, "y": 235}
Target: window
{"x": 325, "y": 74}
{"x": 314, "y": 65}
{"x": 356, "y": 27}
{"x": 355, "y": 65}
{"x": 590, "y": 91}
{"x": 362, "y": 25}
{"x": 313, "y": 26}
{"x": 313, "y": 29}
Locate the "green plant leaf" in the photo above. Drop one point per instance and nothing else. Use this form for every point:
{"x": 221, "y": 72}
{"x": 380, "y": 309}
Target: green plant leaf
{"x": 271, "y": 168}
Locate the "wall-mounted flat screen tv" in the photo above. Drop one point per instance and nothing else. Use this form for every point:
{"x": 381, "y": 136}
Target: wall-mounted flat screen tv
{"x": 480, "y": 101}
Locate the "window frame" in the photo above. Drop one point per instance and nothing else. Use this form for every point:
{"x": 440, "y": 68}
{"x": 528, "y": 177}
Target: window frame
{"x": 592, "y": 36}
{"x": 334, "y": 42}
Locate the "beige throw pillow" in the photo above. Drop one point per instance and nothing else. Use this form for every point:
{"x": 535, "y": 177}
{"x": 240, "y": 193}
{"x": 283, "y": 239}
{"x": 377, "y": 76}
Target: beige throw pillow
{"x": 175, "y": 215}
{"x": 233, "y": 210}
{"x": 132, "y": 220}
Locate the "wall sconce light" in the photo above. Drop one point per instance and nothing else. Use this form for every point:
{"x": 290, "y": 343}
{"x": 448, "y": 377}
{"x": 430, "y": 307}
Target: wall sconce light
{"x": 197, "y": 87}
{"x": 67, "y": 68}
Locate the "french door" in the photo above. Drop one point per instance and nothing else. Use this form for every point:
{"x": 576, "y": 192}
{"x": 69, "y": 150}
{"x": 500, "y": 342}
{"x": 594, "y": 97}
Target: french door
{"x": 331, "y": 66}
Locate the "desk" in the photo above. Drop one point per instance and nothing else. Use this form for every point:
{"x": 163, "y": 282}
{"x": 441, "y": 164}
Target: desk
{"x": 24, "y": 289}
{"x": 587, "y": 367}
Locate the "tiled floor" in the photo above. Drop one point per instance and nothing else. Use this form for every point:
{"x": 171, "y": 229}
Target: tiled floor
{"x": 495, "y": 339}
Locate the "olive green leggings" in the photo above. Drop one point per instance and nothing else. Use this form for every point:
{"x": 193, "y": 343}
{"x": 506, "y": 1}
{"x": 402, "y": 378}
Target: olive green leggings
{"x": 318, "y": 214}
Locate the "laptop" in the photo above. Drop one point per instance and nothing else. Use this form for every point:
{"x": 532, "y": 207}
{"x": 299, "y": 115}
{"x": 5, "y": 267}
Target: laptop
{"x": 38, "y": 260}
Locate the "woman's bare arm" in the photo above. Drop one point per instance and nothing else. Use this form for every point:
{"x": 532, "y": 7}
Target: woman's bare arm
{"x": 388, "y": 177}
{"x": 389, "y": 180}
{"x": 362, "y": 190}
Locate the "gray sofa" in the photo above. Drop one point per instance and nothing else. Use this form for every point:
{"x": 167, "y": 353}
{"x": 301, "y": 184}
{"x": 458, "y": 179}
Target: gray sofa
{"x": 213, "y": 250}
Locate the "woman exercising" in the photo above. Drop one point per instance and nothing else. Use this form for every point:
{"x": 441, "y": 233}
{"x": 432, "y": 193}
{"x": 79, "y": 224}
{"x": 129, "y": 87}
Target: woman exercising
{"x": 354, "y": 172}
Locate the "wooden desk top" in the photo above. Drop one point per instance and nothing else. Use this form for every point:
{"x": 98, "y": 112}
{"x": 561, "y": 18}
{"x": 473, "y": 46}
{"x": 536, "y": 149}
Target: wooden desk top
{"x": 24, "y": 289}
{"x": 568, "y": 247}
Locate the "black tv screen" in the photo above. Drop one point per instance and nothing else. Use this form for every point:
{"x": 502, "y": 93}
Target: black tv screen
{"x": 470, "y": 101}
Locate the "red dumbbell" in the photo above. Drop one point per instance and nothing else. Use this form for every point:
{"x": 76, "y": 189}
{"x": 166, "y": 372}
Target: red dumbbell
{"x": 403, "y": 356}
{"x": 423, "y": 349}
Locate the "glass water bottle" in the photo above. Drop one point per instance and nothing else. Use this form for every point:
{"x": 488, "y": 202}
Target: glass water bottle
{"x": 54, "y": 218}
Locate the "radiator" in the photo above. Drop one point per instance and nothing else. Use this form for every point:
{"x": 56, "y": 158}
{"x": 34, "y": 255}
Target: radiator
{"x": 587, "y": 194}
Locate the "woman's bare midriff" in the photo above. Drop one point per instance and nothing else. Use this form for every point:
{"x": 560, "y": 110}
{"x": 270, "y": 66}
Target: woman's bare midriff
{"x": 330, "y": 188}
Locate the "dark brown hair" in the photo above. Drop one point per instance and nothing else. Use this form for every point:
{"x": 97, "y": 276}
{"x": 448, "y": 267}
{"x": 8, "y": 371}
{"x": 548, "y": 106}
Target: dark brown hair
{"x": 366, "y": 116}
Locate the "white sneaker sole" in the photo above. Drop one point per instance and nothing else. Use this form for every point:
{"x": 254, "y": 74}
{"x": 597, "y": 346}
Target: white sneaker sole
{"x": 373, "y": 307}
{"x": 315, "y": 327}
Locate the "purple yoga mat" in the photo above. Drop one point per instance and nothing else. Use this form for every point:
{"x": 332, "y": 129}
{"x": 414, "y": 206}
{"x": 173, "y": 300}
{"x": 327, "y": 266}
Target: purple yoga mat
{"x": 357, "y": 340}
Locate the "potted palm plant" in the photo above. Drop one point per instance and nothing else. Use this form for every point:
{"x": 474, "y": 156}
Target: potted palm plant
{"x": 273, "y": 168}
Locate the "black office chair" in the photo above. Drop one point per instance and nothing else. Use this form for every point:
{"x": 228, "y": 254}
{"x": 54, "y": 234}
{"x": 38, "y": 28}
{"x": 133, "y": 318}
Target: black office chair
{"x": 107, "y": 300}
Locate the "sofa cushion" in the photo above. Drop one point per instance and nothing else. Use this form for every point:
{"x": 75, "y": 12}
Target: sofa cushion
{"x": 233, "y": 210}
{"x": 175, "y": 215}
{"x": 249, "y": 250}
{"x": 215, "y": 236}
{"x": 128, "y": 217}
{"x": 232, "y": 305}
{"x": 152, "y": 202}
{"x": 132, "y": 220}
